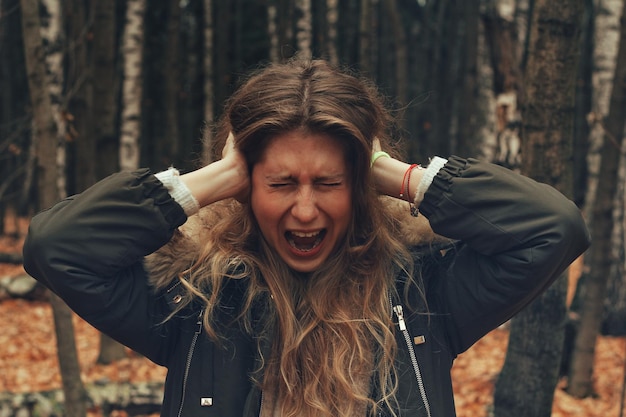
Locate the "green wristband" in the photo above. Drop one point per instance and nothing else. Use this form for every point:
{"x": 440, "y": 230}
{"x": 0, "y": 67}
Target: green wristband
{"x": 377, "y": 155}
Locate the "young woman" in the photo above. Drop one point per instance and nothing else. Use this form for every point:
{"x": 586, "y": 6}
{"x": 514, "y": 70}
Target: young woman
{"x": 289, "y": 278}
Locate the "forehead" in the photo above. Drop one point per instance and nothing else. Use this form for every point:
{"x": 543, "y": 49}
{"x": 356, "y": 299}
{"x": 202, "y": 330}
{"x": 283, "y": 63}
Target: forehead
{"x": 304, "y": 149}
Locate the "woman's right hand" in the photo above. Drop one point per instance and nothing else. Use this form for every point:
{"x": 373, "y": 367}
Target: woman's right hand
{"x": 237, "y": 161}
{"x": 222, "y": 179}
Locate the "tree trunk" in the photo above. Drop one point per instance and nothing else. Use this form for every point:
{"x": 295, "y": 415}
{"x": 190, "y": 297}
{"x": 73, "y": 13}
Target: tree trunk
{"x": 401, "y": 56}
{"x": 171, "y": 146}
{"x": 614, "y": 309}
{"x": 468, "y": 138}
{"x": 52, "y": 36}
{"x": 304, "y": 28}
{"x": 501, "y": 35}
{"x": 110, "y": 350}
{"x": 221, "y": 47}
{"x": 209, "y": 95}
{"x": 73, "y": 388}
{"x": 605, "y": 44}
{"x": 8, "y": 160}
{"x": 584, "y": 106}
{"x": 332, "y": 16}
{"x": 367, "y": 38}
{"x": 132, "y": 48}
{"x": 530, "y": 373}
{"x": 448, "y": 40}
{"x": 614, "y": 313}
{"x": 601, "y": 253}
{"x": 105, "y": 141}
{"x": 80, "y": 98}
{"x": 272, "y": 30}
{"x": 348, "y": 30}
{"x": 105, "y": 88}
{"x": 193, "y": 98}
{"x": 45, "y": 141}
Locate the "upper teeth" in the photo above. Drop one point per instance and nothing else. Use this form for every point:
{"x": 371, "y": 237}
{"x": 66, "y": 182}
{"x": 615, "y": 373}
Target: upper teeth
{"x": 303, "y": 234}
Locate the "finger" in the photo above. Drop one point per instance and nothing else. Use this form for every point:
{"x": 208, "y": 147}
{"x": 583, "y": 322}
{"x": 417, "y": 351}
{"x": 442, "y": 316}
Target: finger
{"x": 376, "y": 145}
{"x": 229, "y": 145}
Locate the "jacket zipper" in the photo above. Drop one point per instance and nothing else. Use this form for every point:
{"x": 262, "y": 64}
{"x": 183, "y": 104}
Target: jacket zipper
{"x": 192, "y": 347}
{"x": 407, "y": 338}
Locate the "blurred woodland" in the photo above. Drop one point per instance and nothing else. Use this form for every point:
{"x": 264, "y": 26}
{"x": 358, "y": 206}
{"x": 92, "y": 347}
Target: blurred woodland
{"x": 88, "y": 88}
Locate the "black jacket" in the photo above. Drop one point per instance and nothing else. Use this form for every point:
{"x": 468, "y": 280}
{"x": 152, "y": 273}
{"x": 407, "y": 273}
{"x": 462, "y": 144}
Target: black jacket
{"x": 514, "y": 237}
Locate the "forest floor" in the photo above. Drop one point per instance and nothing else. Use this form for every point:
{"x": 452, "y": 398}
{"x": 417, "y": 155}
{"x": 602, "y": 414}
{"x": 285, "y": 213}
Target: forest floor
{"x": 28, "y": 361}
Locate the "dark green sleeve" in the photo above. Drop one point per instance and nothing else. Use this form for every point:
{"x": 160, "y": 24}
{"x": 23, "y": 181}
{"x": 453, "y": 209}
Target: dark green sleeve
{"x": 89, "y": 250}
{"x": 517, "y": 237}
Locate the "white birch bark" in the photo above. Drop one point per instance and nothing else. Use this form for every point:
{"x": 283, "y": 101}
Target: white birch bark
{"x": 52, "y": 34}
{"x": 45, "y": 143}
{"x": 132, "y": 87}
{"x": 606, "y": 41}
{"x": 304, "y": 28}
{"x": 606, "y": 37}
{"x": 508, "y": 115}
{"x": 209, "y": 93}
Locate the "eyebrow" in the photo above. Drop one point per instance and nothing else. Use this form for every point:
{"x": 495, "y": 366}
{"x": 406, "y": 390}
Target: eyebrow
{"x": 333, "y": 177}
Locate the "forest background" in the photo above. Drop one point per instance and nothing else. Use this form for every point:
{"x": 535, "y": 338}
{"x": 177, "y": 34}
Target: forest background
{"x": 91, "y": 87}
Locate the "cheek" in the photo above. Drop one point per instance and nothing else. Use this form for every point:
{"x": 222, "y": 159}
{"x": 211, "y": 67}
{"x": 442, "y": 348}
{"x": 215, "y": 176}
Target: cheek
{"x": 265, "y": 209}
{"x": 342, "y": 210}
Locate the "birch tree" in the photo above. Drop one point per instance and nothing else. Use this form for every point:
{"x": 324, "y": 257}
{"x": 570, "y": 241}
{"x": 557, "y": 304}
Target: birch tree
{"x": 602, "y": 223}
{"x": 502, "y": 37}
{"x": 606, "y": 39}
{"x": 526, "y": 384}
{"x": 614, "y": 314}
{"x": 45, "y": 140}
{"x": 132, "y": 86}
{"x": 52, "y": 36}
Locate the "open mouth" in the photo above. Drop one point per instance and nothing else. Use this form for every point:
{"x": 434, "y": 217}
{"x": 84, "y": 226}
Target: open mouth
{"x": 305, "y": 242}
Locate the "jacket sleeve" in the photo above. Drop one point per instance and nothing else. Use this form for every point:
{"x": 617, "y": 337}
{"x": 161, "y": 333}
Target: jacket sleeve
{"x": 517, "y": 237}
{"x": 89, "y": 249}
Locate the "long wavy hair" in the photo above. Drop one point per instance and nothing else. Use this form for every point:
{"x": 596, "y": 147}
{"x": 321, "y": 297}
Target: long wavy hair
{"x": 332, "y": 339}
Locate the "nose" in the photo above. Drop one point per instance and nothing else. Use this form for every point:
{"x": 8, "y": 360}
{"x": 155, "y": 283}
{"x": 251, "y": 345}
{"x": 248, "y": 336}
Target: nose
{"x": 305, "y": 207}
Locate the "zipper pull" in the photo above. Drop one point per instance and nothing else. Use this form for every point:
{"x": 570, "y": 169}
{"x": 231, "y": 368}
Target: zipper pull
{"x": 199, "y": 323}
{"x": 398, "y": 310}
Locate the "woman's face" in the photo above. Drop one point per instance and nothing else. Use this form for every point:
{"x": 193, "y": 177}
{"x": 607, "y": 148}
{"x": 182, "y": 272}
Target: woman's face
{"x": 301, "y": 197}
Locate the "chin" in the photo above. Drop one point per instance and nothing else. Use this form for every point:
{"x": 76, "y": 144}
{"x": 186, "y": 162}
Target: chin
{"x": 305, "y": 267}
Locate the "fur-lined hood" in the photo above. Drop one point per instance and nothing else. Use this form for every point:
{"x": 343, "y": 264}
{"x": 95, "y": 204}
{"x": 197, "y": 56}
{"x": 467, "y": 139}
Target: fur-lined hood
{"x": 180, "y": 252}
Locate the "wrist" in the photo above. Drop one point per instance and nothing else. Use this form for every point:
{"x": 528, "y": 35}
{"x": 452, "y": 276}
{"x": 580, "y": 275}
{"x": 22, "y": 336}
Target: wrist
{"x": 217, "y": 181}
{"x": 391, "y": 177}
